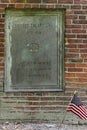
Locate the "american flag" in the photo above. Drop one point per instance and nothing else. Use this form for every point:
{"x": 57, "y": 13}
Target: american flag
{"x": 77, "y": 107}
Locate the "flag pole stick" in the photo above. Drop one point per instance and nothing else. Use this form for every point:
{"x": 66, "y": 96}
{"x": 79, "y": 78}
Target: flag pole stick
{"x": 66, "y": 111}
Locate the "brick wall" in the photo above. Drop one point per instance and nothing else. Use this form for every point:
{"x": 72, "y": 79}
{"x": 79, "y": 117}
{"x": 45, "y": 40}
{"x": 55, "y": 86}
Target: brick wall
{"x": 49, "y": 106}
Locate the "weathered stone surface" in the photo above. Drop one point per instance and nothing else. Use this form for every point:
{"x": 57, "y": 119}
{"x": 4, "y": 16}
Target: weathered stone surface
{"x": 39, "y": 126}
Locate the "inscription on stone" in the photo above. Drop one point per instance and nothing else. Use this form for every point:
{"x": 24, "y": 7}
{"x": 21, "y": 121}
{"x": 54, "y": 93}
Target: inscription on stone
{"x": 33, "y": 49}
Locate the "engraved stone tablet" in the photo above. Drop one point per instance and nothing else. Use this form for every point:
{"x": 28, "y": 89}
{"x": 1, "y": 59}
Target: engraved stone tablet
{"x": 33, "y": 43}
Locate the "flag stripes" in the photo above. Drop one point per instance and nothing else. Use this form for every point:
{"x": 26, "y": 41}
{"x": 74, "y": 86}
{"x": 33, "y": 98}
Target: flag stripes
{"x": 83, "y": 108}
{"x": 79, "y": 111}
{"x": 77, "y": 107}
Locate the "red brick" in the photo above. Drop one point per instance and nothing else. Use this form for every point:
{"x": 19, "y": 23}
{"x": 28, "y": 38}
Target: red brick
{"x": 51, "y": 103}
{"x": 1, "y": 25}
{"x": 19, "y": 6}
{"x": 82, "y": 79}
{"x": 35, "y": 6}
{"x": 2, "y": 10}
{"x": 69, "y": 74}
{"x": 70, "y": 26}
{"x": 1, "y": 69}
{"x": 3, "y": 5}
{"x": 85, "y": 69}
{"x": 11, "y": 6}
{"x": 71, "y": 16}
{"x": 34, "y": 98}
{"x": 68, "y": 21}
{"x": 75, "y": 41}
{"x": 62, "y": 6}
{"x": 33, "y": 1}
{"x": 70, "y": 79}
{"x": 65, "y": 1}
{"x": 79, "y": 12}
{"x": 81, "y": 74}
{"x": 2, "y": 20}
{"x": 85, "y": 60}
{"x": 78, "y": 30}
{"x": 12, "y": 1}
{"x": 80, "y": 21}
{"x": 33, "y": 108}
{"x": 27, "y": 6}
{"x": 21, "y": 108}
{"x": 83, "y": 55}
{"x": 48, "y": 108}
{"x": 80, "y": 2}
{"x": 77, "y": 2}
{"x": 81, "y": 65}
{"x": 84, "y": 26}
{"x": 73, "y": 50}
{"x": 69, "y": 12}
{"x": 76, "y": 7}
{"x": 67, "y": 31}
{"x": 1, "y": 45}
{"x": 47, "y": 98}
{"x": 1, "y": 54}
{"x": 17, "y": 1}
{"x": 77, "y": 84}
{"x": 62, "y": 98}
{"x": 83, "y": 1}
{"x": 83, "y": 50}
{"x": 71, "y": 46}
{"x": 2, "y": 39}
{"x": 81, "y": 36}
{"x": 84, "y": 41}
{"x": 1, "y": 49}
{"x": 75, "y": 60}
{"x": 70, "y": 35}
{"x": 1, "y": 35}
{"x": 1, "y": 64}
{"x": 70, "y": 89}
{"x": 50, "y": 1}
{"x": 70, "y": 65}
{"x": 82, "y": 46}
{"x": 5, "y": 1}
{"x": 72, "y": 55}
{"x": 36, "y": 103}
{"x": 84, "y": 7}
{"x": 75, "y": 69}
{"x": 50, "y": 6}
{"x": 82, "y": 17}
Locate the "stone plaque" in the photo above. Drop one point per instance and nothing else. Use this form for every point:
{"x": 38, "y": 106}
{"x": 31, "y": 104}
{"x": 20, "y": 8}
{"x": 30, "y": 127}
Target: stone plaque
{"x": 33, "y": 50}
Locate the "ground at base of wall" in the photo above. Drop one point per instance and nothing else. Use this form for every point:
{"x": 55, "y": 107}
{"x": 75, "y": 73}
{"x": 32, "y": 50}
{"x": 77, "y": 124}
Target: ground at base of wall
{"x": 39, "y": 126}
